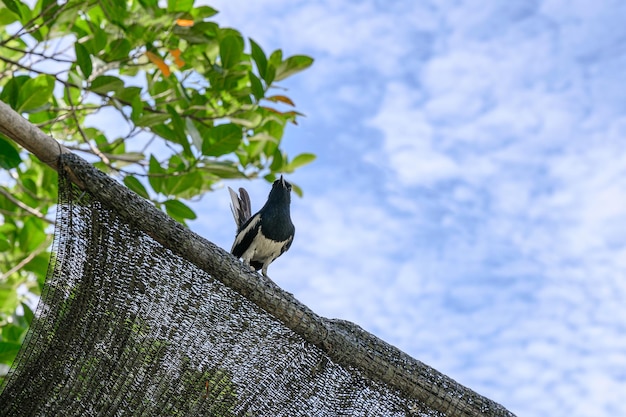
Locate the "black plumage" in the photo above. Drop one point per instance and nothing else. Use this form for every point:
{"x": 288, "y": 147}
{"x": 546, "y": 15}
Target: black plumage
{"x": 264, "y": 236}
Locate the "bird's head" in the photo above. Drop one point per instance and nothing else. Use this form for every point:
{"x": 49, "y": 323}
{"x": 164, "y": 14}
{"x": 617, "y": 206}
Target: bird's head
{"x": 281, "y": 191}
{"x": 283, "y": 183}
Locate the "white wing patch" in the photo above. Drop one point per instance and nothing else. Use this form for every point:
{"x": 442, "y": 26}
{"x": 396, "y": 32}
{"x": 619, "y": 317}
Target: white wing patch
{"x": 241, "y": 235}
{"x": 262, "y": 249}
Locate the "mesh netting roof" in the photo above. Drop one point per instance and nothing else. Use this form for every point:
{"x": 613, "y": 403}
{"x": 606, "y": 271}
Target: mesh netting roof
{"x": 141, "y": 317}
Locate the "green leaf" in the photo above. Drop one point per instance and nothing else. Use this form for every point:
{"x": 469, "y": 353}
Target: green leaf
{"x": 274, "y": 128}
{"x": 11, "y": 91}
{"x": 256, "y": 86}
{"x": 296, "y": 189}
{"x": 106, "y": 83}
{"x": 276, "y": 58}
{"x": 127, "y": 158}
{"x": 28, "y": 313}
{"x": 259, "y": 58}
{"x": 15, "y": 331}
{"x": 223, "y": 139}
{"x": 8, "y": 299}
{"x": 136, "y": 186}
{"x": 231, "y": 48}
{"x": 128, "y": 94}
{"x": 26, "y": 15}
{"x": 179, "y": 210}
{"x": 11, "y": 5}
{"x": 35, "y": 92}
{"x": 7, "y": 17}
{"x": 203, "y": 12}
{"x": 83, "y": 59}
{"x": 117, "y": 50}
{"x": 249, "y": 119}
{"x": 49, "y": 12}
{"x": 200, "y": 33}
{"x": 196, "y": 138}
{"x": 5, "y": 244}
{"x": 71, "y": 94}
{"x": 178, "y": 128}
{"x": 8, "y": 351}
{"x": 32, "y": 234}
{"x": 292, "y": 65}
{"x": 136, "y": 104}
{"x": 165, "y": 132}
{"x": 74, "y": 77}
{"x": 9, "y": 156}
{"x": 39, "y": 264}
{"x": 300, "y": 160}
{"x": 151, "y": 119}
{"x": 179, "y": 185}
{"x": 97, "y": 41}
{"x": 174, "y": 6}
{"x": 278, "y": 161}
{"x": 223, "y": 169}
{"x": 115, "y": 10}
{"x": 255, "y": 148}
{"x": 157, "y": 174}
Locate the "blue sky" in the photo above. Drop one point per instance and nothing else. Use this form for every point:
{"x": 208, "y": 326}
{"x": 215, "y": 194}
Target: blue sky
{"x": 468, "y": 202}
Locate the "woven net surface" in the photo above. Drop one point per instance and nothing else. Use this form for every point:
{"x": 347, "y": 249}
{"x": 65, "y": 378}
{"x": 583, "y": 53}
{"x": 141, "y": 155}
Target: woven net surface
{"x": 127, "y": 326}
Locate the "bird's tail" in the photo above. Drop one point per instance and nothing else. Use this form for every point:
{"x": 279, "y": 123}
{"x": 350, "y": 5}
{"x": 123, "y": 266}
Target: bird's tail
{"x": 240, "y": 206}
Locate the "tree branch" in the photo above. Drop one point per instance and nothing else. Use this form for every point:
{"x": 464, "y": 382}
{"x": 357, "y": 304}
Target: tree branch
{"x": 20, "y": 130}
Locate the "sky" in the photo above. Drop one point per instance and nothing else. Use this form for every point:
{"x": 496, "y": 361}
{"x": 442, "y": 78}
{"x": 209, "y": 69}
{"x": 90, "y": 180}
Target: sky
{"x": 468, "y": 203}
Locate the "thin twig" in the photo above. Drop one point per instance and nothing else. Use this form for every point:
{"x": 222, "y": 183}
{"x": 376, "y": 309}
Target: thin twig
{"x": 40, "y": 54}
{"x": 120, "y": 157}
{"x": 23, "y": 206}
{"x": 93, "y": 148}
{"x": 26, "y": 260}
{"x": 25, "y": 190}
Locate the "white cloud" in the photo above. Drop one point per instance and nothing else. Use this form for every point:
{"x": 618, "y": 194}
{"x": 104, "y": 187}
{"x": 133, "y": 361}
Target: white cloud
{"x": 481, "y": 230}
{"x": 409, "y": 142}
{"x": 537, "y": 154}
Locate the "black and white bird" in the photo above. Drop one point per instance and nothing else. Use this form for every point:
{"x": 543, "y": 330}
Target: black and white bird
{"x": 268, "y": 234}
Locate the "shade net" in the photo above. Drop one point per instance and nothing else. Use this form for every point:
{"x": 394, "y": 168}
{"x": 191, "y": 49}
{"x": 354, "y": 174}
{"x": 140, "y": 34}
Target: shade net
{"x": 127, "y": 327}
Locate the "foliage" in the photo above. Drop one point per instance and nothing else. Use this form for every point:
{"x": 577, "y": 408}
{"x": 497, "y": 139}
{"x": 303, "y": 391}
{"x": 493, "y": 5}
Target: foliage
{"x": 153, "y": 92}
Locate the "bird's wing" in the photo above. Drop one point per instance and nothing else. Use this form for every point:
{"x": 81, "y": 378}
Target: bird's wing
{"x": 246, "y": 235}
{"x": 287, "y": 244}
{"x": 240, "y": 206}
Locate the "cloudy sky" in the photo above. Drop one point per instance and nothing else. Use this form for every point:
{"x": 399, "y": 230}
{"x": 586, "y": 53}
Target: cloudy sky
{"x": 468, "y": 204}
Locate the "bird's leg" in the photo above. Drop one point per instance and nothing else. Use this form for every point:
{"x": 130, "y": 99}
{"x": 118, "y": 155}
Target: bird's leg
{"x": 264, "y": 270}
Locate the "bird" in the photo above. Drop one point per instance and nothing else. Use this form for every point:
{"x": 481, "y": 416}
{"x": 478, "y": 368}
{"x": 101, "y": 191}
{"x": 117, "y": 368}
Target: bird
{"x": 264, "y": 236}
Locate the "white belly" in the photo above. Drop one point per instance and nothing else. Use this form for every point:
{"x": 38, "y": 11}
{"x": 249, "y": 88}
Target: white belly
{"x": 263, "y": 250}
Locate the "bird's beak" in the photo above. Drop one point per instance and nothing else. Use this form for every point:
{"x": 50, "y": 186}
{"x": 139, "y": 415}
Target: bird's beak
{"x": 282, "y": 181}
